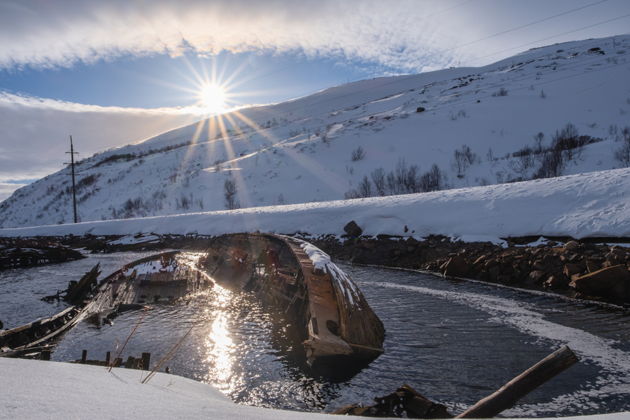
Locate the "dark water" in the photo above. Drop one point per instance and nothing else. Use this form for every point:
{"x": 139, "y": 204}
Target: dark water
{"x": 454, "y": 342}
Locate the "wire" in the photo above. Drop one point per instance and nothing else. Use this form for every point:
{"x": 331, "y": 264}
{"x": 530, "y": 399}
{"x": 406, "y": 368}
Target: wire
{"x": 528, "y": 24}
{"x": 554, "y": 36}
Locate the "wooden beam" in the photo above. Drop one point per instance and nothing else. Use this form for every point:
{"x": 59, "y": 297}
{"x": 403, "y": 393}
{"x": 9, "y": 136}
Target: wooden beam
{"x": 523, "y": 384}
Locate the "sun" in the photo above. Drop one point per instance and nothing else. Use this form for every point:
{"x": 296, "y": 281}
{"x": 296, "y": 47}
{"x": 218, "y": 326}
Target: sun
{"x": 212, "y": 97}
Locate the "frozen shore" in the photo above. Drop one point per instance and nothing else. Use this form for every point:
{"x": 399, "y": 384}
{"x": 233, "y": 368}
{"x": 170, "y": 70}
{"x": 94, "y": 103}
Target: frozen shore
{"x": 595, "y": 204}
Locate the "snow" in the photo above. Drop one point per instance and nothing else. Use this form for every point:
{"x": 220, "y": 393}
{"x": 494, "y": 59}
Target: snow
{"x": 321, "y": 261}
{"x": 56, "y": 390}
{"x": 150, "y": 267}
{"x": 595, "y": 204}
{"x": 300, "y": 151}
{"x": 134, "y": 240}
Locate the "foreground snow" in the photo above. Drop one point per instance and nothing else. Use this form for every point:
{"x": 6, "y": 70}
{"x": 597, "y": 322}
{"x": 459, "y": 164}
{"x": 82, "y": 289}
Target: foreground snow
{"x": 36, "y": 389}
{"x": 595, "y": 204}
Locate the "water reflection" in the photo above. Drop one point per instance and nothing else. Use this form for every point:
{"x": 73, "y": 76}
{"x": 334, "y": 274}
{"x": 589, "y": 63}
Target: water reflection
{"x": 247, "y": 351}
{"x": 219, "y": 344}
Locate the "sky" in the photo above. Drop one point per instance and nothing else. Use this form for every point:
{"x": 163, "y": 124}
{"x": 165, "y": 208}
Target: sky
{"x": 117, "y": 72}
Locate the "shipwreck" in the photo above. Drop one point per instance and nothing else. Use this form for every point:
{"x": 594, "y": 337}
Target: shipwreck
{"x": 331, "y": 316}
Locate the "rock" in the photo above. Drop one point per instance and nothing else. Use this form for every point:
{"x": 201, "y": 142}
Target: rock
{"x": 611, "y": 283}
{"x": 535, "y": 277}
{"x": 420, "y": 109}
{"x": 571, "y": 269}
{"x": 352, "y": 229}
{"x": 493, "y": 272}
{"x": 538, "y": 265}
{"x": 571, "y": 246}
{"x": 557, "y": 282}
{"x": 404, "y": 401}
{"x": 456, "y": 266}
{"x": 593, "y": 264}
{"x": 504, "y": 278}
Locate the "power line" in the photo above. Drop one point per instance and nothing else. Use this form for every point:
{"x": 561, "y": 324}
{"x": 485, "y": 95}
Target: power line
{"x": 554, "y": 36}
{"x": 528, "y": 24}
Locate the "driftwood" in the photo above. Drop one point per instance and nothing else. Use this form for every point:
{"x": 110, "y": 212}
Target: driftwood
{"x": 523, "y": 384}
{"x": 405, "y": 401}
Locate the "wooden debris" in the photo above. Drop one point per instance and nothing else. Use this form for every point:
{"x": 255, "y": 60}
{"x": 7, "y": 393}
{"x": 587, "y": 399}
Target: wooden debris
{"x": 404, "y": 402}
{"x": 523, "y": 384}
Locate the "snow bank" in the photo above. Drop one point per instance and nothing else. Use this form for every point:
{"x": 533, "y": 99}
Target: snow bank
{"x": 583, "y": 205}
{"x": 37, "y": 389}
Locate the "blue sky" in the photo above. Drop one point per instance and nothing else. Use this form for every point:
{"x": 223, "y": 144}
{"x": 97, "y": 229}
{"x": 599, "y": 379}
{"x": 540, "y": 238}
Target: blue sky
{"x": 116, "y": 72}
{"x": 163, "y": 81}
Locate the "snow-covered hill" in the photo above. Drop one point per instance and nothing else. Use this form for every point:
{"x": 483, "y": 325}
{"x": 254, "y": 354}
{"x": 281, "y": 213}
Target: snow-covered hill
{"x": 550, "y": 111}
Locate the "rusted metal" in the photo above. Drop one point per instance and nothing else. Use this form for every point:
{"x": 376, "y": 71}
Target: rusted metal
{"x": 279, "y": 270}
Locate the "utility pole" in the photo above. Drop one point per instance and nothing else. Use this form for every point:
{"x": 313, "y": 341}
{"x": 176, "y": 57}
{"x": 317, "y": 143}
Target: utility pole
{"x": 74, "y": 189}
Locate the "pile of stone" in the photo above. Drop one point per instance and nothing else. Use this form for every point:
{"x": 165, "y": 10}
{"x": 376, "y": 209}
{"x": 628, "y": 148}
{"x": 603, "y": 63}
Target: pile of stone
{"x": 29, "y": 252}
{"x": 578, "y": 269}
{"x": 588, "y": 270}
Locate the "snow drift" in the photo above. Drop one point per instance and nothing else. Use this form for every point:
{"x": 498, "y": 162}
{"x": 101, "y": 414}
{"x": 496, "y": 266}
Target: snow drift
{"x": 594, "y": 204}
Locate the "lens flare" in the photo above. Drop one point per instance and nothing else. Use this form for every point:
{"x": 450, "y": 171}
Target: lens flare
{"x": 212, "y": 98}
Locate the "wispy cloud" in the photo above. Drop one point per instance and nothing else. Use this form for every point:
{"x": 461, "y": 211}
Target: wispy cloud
{"x": 35, "y": 131}
{"x": 406, "y": 35}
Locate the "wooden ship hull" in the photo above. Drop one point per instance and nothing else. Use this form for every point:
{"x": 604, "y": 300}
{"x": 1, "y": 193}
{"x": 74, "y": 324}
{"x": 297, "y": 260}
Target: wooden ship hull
{"x": 35, "y": 335}
{"x": 335, "y": 320}
{"x": 161, "y": 278}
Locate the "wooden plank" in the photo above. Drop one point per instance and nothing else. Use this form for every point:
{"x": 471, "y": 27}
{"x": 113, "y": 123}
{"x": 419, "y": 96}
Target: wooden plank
{"x": 523, "y": 384}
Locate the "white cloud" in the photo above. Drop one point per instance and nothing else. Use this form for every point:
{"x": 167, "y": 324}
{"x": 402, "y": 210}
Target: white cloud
{"x": 400, "y": 34}
{"x": 407, "y": 35}
{"x": 34, "y": 136}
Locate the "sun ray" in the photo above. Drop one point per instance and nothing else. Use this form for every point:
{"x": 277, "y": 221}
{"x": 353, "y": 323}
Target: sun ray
{"x": 329, "y": 178}
{"x": 193, "y": 142}
{"x": 242, "y": 191}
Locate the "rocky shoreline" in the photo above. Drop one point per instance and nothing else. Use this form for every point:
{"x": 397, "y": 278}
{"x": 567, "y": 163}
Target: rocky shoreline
{"x": 581, "y": 269}
{"x": 29, "y": 252}
{"x": 577, "y": 269}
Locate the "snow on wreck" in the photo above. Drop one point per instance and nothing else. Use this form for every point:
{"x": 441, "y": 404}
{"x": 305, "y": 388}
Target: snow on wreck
{"x": 336, "y": 324}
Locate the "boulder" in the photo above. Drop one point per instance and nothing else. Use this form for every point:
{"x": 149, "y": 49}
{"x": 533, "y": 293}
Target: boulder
{"x": 456, "y": 266}
{"x": 611, "y": 283}
{"x": 571, "y": 269}
{"x": 535, "y": 277}
{"x": 557, "y": 281}
{"x": 593, "y": 264}
{"x": 352, "y": 229}
{"x": 571, "y": 246}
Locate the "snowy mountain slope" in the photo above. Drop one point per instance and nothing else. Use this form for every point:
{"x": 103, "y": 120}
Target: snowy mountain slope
{"x": 331, "y": 144}
{"x": 595, "y": 204}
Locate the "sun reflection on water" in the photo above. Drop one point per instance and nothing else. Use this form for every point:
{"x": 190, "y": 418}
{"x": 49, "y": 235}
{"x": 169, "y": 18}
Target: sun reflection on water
{"x": 219, "y": 343}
